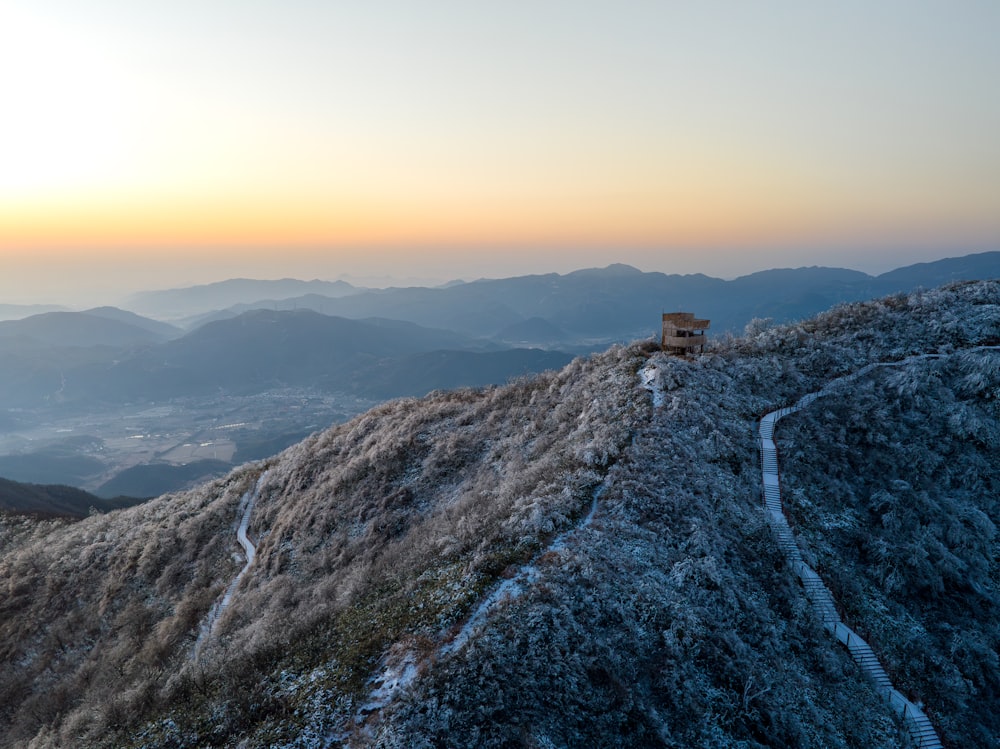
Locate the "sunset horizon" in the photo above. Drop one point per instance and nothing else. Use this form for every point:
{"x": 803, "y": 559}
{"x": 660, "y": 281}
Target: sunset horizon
{"x": 178, "y": 143}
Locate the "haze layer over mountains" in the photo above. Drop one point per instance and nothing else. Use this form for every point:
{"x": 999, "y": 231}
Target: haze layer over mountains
{"x": 610, "y": 303}
{"x": 118, "y": 402}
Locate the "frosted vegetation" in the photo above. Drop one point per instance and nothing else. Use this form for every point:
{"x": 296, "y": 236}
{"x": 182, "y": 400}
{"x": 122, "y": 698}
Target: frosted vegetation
{"x": 670, "y": 619}
{"x": 899, "y": 505}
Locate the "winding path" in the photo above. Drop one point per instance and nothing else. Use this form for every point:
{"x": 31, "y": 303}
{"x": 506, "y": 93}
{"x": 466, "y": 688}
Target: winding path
{"x": 247, "y": 502}
{"x": 919, "y": 725}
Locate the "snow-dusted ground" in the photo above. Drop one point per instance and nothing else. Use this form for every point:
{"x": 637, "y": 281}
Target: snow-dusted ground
{"x": 651, "y": 381}
{"x": 247, "y": 502}
{"x": 400, "y": 669}
{"x": 512, "y": 588}
{"x": 920, "y": 727}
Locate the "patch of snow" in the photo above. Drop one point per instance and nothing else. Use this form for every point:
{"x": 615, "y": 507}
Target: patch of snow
{"x": 394, "y": 678}
{"x": 507, "y": 591}
{"x": 400, "y": 668}
{"x": 651, "y": 381}
{"x": 512, "y": 588}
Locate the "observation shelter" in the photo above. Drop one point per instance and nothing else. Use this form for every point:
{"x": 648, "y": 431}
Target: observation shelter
{"x": 683, "y": 333}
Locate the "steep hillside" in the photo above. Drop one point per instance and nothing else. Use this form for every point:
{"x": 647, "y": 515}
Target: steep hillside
{"x": 386, "y": 529}
{"x": 564, "y": 561}
{"x": 898, "y": 502}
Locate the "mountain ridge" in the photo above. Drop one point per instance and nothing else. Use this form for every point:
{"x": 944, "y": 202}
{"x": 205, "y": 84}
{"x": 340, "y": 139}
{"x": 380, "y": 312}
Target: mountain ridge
{"x": 225, "y": 293}
{"x": 82, "y": 329}
{"x": 252, "y": 352}
{"x": 612, "y": 304}
{"x": 670, "y": 619}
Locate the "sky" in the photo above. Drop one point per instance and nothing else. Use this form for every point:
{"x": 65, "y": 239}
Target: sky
{"x": 164, "y": 143}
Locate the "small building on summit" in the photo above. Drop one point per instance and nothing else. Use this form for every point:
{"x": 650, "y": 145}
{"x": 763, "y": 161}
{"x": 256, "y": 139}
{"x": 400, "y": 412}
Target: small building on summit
{"x": 682, "y": 333}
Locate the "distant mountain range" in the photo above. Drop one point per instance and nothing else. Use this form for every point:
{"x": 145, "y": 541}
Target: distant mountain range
{"x": 83, "y": 357}
{"x": 380, "y": 343}
{"x": 104, "y": 326}
{"x": 592, "y": 306}
{"x": 172, "y": 304}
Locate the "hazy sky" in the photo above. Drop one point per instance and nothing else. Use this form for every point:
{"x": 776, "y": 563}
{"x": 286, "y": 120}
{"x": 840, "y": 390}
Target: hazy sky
{"x": 149, "y": 143}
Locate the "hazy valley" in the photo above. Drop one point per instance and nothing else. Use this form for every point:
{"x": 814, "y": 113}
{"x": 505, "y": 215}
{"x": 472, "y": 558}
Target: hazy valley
{"x": 116, "y": 402}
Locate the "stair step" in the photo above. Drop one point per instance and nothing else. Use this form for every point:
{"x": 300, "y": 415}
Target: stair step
{"x": 921, "y": 728}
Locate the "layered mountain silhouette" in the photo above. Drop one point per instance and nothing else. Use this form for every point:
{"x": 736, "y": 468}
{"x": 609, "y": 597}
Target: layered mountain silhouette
{"x": 252, "y": 352}
{"x": 620, "y": 303}
{"x": 172, "y": 304}
{"x": 104, "y": 326}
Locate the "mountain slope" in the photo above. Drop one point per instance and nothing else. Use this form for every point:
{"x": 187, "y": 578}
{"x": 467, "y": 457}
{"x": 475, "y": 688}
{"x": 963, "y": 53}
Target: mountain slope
{"x": 947, "y": 270}
{"x": 667, "y": 617}
{"x": 356, "y": 541}
{"x": 902, "y": 509}
{"x": 162, "y": 330}
{"x": 263, "y": 347}
{"x": 54, "y": 500}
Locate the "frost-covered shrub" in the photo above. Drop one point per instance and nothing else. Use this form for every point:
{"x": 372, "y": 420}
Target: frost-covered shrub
{"x": 907, "y": 459}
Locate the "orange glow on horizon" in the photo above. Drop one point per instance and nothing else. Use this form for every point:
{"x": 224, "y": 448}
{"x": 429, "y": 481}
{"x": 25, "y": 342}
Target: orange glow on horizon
{"x": 684, "y": 221}
{"x": 146, "y": 134}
